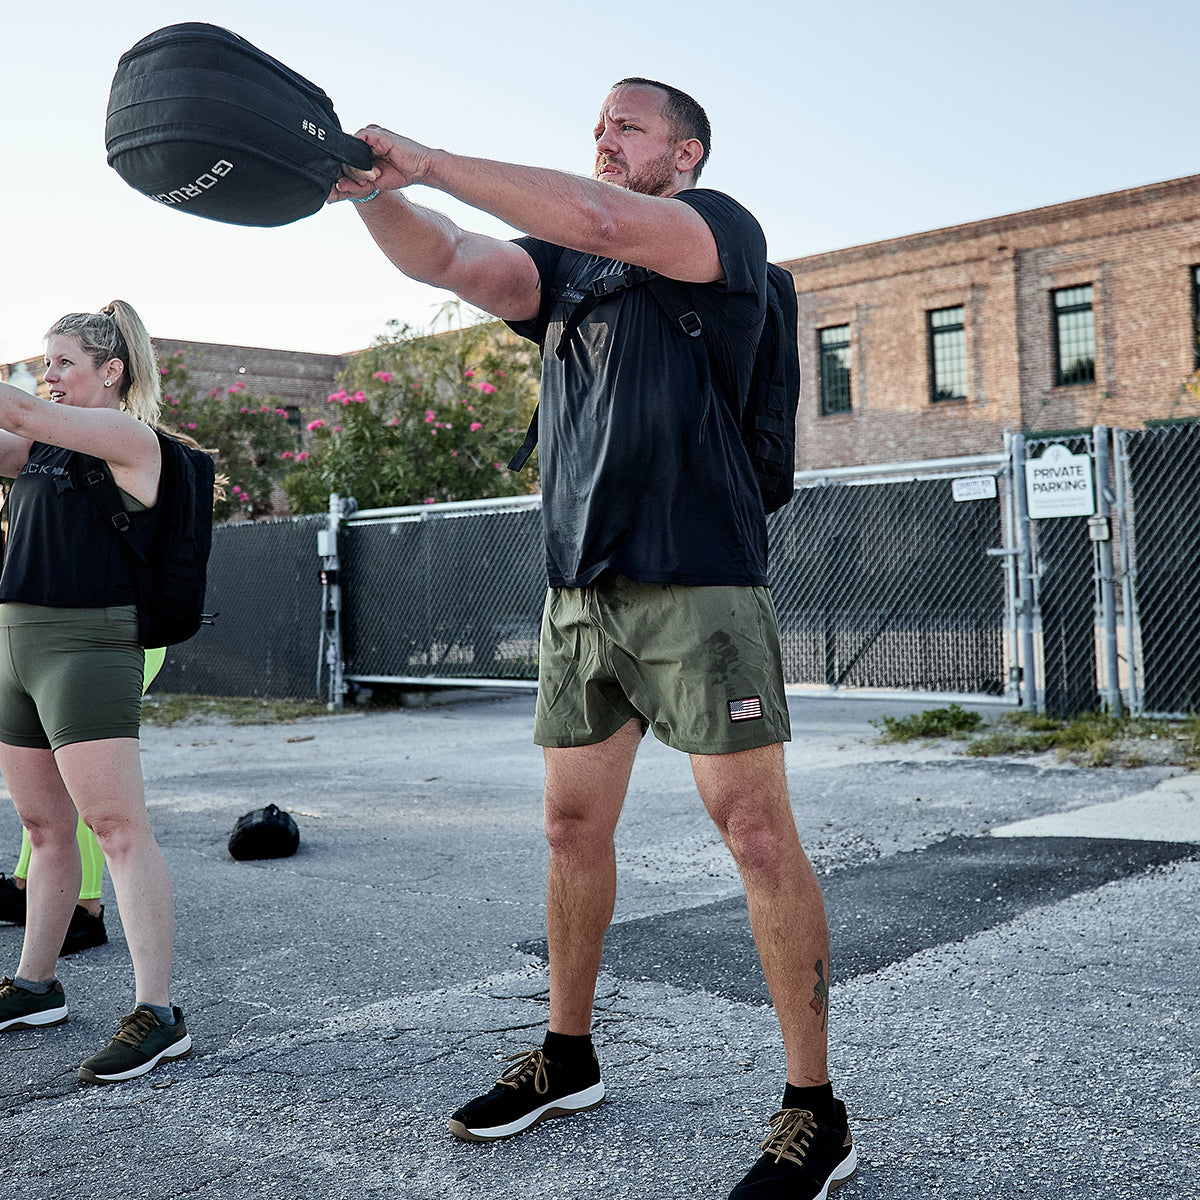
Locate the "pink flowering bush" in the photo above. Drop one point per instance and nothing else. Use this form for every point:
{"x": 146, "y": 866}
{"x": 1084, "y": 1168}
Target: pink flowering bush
{"x": 249, "y": 435}
{"x": 423, "y": 418}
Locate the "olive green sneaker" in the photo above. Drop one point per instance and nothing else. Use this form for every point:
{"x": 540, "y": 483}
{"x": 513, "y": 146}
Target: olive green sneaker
{"x": 22, "y": 1009}
{"x": 141, "y": 1042}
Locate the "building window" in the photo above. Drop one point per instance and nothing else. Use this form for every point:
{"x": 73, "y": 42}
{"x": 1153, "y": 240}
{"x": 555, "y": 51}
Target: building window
{"x": 1074, "y": 336}
{"x": 948, "y": 354}
{"x": 293, "y": 423}
{"x": 1196, "y": 317}
{"x": 835, "y": 369}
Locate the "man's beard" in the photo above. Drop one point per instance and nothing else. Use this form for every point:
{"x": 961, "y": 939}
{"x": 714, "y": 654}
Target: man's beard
{"x": 656, "y": 178}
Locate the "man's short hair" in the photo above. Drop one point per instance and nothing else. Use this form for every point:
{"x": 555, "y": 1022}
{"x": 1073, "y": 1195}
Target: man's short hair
{"x": 687, "y": 119}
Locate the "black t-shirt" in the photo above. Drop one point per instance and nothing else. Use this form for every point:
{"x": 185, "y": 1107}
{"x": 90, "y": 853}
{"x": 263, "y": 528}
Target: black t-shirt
{"x": 643, "y": 467}
{"x": 61, "y": 551}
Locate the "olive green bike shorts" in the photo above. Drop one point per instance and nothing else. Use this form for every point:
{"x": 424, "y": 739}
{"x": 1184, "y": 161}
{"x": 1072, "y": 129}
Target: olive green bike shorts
{"x": 700, "y": 666}
{"x": 69, "y": 675}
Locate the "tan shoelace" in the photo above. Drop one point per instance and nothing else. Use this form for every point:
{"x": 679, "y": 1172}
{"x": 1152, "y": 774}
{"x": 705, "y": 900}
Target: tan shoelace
{"x": 791, "y": 1133}
{"x": 134, "y": 1026}
{"x": 530, "y": 1061}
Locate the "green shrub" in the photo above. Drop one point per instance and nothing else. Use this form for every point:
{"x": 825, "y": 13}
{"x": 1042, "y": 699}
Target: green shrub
{"x": 932, "y": 723}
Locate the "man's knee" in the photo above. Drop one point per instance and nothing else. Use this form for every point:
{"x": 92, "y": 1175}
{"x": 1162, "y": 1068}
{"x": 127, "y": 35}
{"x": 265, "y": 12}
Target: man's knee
{"x": 576, "y": 829}
{"x": 585, "y": 791}
{"x": 762, "y": 845}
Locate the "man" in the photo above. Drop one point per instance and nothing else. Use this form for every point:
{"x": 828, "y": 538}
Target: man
{"x": 658, "y": 614}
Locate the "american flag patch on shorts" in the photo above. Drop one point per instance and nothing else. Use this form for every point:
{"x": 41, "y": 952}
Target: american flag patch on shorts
{"x": 749, "y": 709}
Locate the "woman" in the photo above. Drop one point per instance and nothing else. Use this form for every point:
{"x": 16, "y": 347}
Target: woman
{"x": 71, "y": 673}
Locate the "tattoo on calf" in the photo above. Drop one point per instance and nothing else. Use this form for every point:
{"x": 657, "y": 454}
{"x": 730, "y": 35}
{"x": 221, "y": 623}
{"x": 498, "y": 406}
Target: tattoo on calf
{"x": 820, "y": 1001}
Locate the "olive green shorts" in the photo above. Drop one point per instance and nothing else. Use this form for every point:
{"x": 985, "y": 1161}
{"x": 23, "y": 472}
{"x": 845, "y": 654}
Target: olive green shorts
{"x": 700, "y": 666}
{"x": 69, "y": 675}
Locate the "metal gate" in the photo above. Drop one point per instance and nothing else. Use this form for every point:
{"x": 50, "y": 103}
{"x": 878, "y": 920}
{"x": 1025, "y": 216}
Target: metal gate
{"x": 1106, "y": 596}
{"x": 1064, "y": 611}
{"x": 1158, "y": 481}
{"x": 882, "y": 579}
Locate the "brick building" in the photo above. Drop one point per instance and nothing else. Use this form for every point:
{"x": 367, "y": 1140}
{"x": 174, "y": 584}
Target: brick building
{"x": 1058, "y": 318}
{"x": 299, "y": 381}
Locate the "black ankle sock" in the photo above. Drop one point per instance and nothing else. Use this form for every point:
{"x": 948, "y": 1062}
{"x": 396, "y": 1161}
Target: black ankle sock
{"x": 568, "y": 1048}
{"x": 818, "y": 1101}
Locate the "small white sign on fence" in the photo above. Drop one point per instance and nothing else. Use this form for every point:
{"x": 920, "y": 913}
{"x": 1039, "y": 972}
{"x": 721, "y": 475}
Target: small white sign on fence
{"x": 1059, "y": 484}
{"x": 974, "y": 487}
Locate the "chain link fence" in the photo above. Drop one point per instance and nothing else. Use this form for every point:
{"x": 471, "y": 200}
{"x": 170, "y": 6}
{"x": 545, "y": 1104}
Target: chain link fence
{"x": 446, "y": 592}
{"x": 264, "y": 588}
{"x": 919, "y": 578}
{"x": 885, "y": 585}
{"x": 1159, "y": 470}
{"x": 888, "y": 583}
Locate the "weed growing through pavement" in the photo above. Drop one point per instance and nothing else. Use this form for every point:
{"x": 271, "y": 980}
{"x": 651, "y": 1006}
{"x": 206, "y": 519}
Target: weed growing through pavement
{"x": 932, "y": 723}
{"x": 1089, "y": 739}
{"x": 237, "y": 710}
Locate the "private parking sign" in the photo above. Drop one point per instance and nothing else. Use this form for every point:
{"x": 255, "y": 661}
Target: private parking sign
{"x": 1059, "y": 484}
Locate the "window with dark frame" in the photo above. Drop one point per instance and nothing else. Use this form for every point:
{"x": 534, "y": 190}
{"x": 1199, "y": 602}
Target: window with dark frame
{"x": 947, "y": 354}
{"x": 834, "y": 345}
{"x": 293, "y": 423}
{"x": 1196, "y": 317}
{"x": 1074, "y": 336}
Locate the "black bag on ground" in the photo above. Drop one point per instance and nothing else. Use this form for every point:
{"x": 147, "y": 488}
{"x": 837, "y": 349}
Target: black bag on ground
{"x": 201, "y": 120}
{"x": 264, "y": 833}
{"x": 172, "y": 571}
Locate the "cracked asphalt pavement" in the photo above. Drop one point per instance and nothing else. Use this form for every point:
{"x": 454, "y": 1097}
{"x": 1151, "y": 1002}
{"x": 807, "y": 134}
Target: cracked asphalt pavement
{"x": 1015, "y": 986}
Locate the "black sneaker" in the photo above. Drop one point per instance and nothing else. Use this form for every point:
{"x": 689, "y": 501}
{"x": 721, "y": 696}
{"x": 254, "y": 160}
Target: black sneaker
{"x": 22, "y": 1009}
{"x": 534, "y": 1089}
{"x": 141, "y": 1042}
{"x": 801, "y": 1160}
{"x": 84, "y": 931}
{"x": 12, "y": 902}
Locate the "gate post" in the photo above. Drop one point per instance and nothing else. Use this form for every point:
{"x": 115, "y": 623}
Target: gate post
{"x": 1029, "y": 692}
{"x": 1133, "y": 699}
{"x": 330, "y": 651}
{"x": 1100, "y": 531}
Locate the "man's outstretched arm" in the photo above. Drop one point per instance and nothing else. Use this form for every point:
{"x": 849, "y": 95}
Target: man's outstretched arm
{"x": 488, "y": 273}
{"x": 657, "y": 232}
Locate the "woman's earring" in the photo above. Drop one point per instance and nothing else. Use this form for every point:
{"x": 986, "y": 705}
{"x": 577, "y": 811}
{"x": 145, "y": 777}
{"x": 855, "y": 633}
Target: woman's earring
{"x": 108, "y": 383}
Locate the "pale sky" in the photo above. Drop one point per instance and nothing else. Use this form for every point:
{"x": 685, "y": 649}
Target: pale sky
{"x": 836, "y": 124}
